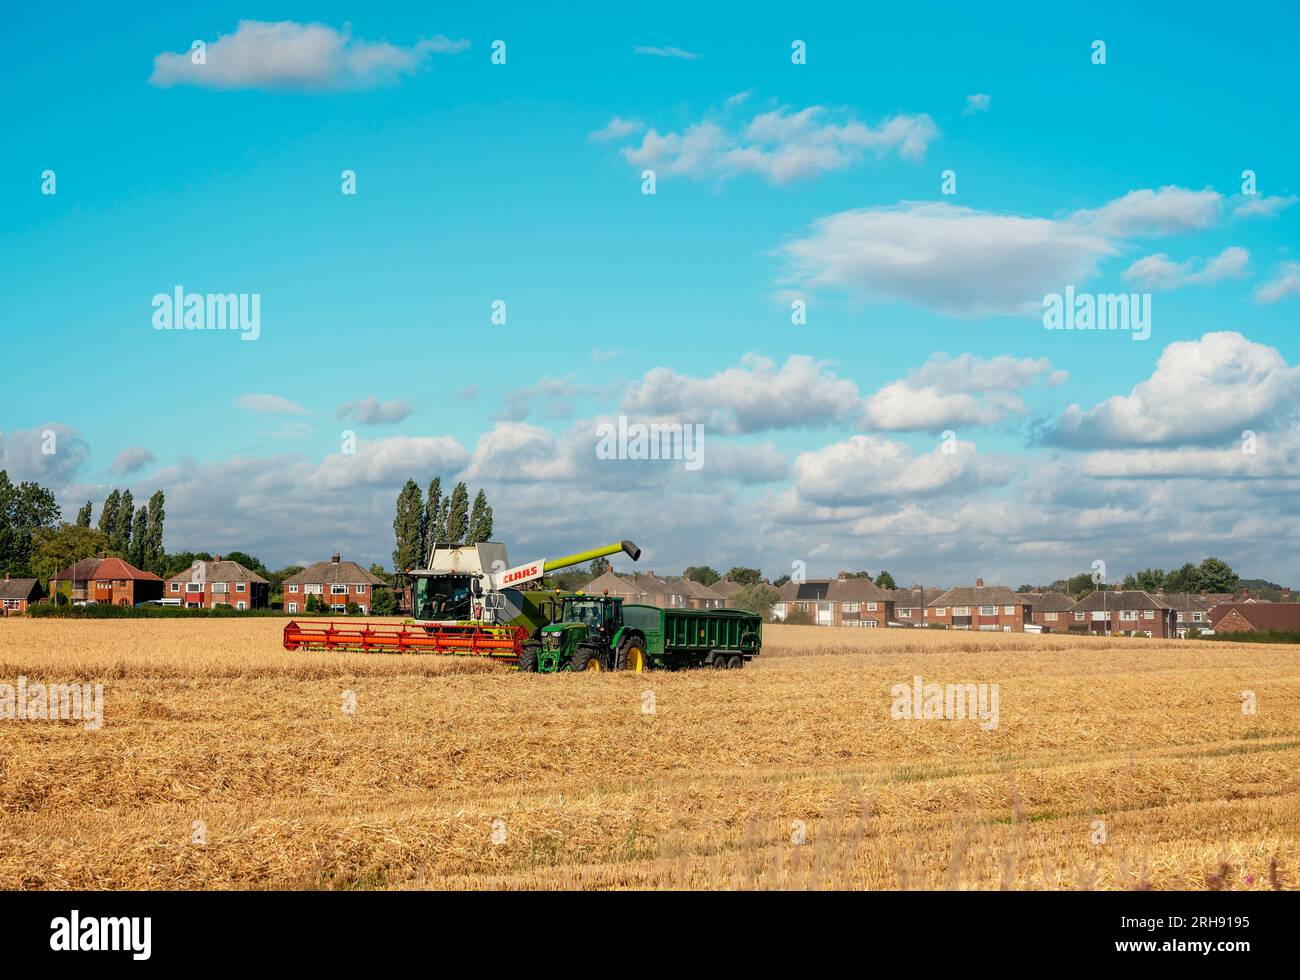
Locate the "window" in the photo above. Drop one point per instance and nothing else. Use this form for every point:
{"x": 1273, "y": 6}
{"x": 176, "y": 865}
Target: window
{"x": 1008, "y": 610}
{"x": 293, "y": 607}
{"x": 176, "y": 586}
{"x": 194, "y": 587}
{"x": 1196, "y": 617}
{"x": 850, "y": 607}
{"x": 1078, "y": 617}
{"x": 364, "y": 611}
{"x": 988, "y": 610}
{"x": 359, "y": 589}
{"x": 1128, "y": 615}
{"x": 312, "y": 589}
{"x": 905, "y": 613}
{"x": 871, "y": 607}
{"x": 1050, "y": 617}
{"x": 241, "y": 586}
{"x": 220, "y": 588}
{"x": 338, "y": 590}
{"x": 241, "y": 605}
{"x": 337, "y": 608}
{"x": 293, "y": 589}
{"x": 942, "y": 611}
{"x": 13, "y": 603}
{"x": 1148, "y": 614}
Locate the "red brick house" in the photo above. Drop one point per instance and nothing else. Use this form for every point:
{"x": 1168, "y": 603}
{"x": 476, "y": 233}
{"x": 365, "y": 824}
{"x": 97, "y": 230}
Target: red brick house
{"x": 983, "y": 607}
{"x": 334, "y": 583}
{"x": 810, "y": 596}
{"x": 859, "y": 602}
{"x": 909, "y": 604}
{"x": 1191, "y": 610}
{"x": 1048, "y": 610}
{"x": 664, "y": 593}
{"x": 76, "y": 578}
{"x": 1257, "y": 617}
{"x": 698, "y": 596}
{"x": 118, "y": 583}
{"x": 208, "y": 584}
{"x": 1123, "y": 612}
{"x": 16, "y": 594}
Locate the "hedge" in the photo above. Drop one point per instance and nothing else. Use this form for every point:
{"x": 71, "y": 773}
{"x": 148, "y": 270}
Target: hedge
{"x": 105, "y": 611}
{"x": 1262, "y": 636}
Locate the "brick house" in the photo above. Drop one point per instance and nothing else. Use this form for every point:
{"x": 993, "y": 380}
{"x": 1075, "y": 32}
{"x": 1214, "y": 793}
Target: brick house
{"x": 1191, "y": 610}
{"x": 208, "y": 584}
{"x": 335, "y": 583}
{"x": 1123, "y": 612}
{"x": 724, "y": 587}
{"x": 698, "y": 596}
{"x": 909, "y": 604}
{"x": 859, "y": 602}
{"x": 118, "y": 583}
{"x": 76, "y": 578}
{"x": 1049, "y": 610}
{"x": 810, "y": 596}
{"x": 1252, "y": 617}
{"x": 610, "y": 584}
{"x": 16, "y": 594}
{"x": 664, "y": 593}
{"x": 982, "y": 607}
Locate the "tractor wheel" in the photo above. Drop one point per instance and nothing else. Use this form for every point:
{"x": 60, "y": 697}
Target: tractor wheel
{"x": 631, "y": 656}
{"x": 587, "y": 658}
{"x": 719, "y": 663}
{"x": 735, "y": 663}
{"x": 528, "y": 659}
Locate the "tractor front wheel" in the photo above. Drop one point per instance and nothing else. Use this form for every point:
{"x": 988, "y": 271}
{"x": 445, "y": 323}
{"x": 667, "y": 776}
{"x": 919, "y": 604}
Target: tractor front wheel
{"x": 528, "y": 658}
{"x": 587, "y": 658}
{"x": 631, "y": 656}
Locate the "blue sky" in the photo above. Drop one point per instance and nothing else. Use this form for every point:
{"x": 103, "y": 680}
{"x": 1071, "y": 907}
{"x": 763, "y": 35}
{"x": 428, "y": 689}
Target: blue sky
{"x": 821, "y": 181}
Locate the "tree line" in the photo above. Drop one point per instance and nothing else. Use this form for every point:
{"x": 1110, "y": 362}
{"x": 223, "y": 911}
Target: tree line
{"x": 423, "y": 520}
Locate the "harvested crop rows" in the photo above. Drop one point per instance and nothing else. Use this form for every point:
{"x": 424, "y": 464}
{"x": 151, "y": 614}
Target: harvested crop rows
{"x": 226, "y": 762}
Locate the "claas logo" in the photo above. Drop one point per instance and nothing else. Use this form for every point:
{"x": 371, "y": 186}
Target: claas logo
{"x": 522, "y": 573}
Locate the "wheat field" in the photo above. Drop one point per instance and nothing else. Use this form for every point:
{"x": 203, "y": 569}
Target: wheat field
{"x": 226, "y": 762}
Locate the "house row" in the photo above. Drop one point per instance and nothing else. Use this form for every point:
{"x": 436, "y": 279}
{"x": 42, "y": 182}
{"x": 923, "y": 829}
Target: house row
{"x": 648, "y": 589}
{"x": 846, "y": 601}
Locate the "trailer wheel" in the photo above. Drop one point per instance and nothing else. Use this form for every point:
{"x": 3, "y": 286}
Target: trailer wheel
{"x": 719, "y": 663}
{"x": 631, "y": 656}
{"x": 735, "y": 663}
{"x": 586, "y": 658}
{"x": 528, "y": 658}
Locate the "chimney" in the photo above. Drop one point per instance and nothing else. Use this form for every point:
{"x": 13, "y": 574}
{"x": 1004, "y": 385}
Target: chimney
{"x": 216, "y": 558}
{"x": 979, "y": 583}
{"x": 334, "y": 558}
{"x": 841, "y": 575}
{"x": 1286, "y": 593}
{"x": 1038, "y": 590}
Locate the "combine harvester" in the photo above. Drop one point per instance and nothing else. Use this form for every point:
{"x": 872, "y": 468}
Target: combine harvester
{"x": 469, "y": 601}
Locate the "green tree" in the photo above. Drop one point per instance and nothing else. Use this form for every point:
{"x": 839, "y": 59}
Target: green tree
{"x": 432, "y": 516}
{"x": 119, "y": 535}
{"x": 458, "y": 515}
{"x": 54, "y": 549}
{"x": 799, "y": 617}
{"x": 378, "y": 572}
{"x": 384, "y": 602}
{"x": 250, "y": 562}
{"x": 1147, "y": 580}
{"x": 139, "y": 538}
{"x": 24, "y": 509}
{"x": 406, "y": 527}
{"x": 857, "y": 575}
{"x": 83, "y": 515}
{"x": 885, "y": 580}
{"x": 780, "y": 581}
{"x": 702, "y": 574}
{"x": 108, "y": 513}
{"x": 1184, "y": 579}
{"x": 754, "y": 597}
{"x": 480, "y": 520}
{"x": 598, "y": 567}
{"x": 1216, "y": 575}
{"x": 744, "y": 576}
{"x": 154, "y": 555}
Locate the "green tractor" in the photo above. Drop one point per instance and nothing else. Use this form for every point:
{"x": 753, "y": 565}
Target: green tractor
{"x": 588, "y": 634}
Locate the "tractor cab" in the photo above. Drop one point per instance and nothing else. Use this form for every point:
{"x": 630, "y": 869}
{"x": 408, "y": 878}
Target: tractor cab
{"x": 584, "y": 636}
{"x": 602, "y": 615}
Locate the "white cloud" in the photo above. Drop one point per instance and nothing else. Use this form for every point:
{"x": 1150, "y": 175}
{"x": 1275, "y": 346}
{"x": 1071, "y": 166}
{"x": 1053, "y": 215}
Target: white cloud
{"x": 1259, "y": 206}
{"x": 953, "y": 259}
{"x": 1160, "y": 272}
{"x": 1285, "y": 283}
{"x": 371, "y": 411}
{"x": 781, "y": 145}
{"x": 865, "y": 468}
{"x": 293, "y": 56}
{"x": 668, "y": 52}
{"x": 270, "y": 405}
{"x": 132, "y": 459}
{"x": 51, "y": 454}
{"x": 957, "y": 391}
{"x": 389, "y": 462}
{"x": 616, "y": 129}
{"x": 976, "y": 103}
{"x": 1201, "y": 391}
{"x": 753, "y": 397}
{"x": 1139, "y": 213}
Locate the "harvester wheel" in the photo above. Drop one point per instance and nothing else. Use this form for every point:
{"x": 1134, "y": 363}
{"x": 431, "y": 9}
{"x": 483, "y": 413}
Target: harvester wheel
{"x": 631, "y": 656}
{"x": 735, "y": 663}
{"x": 587, "y": 658}
{"x": 528, "y": 658}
